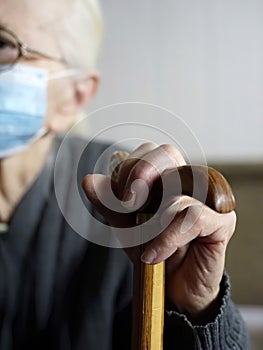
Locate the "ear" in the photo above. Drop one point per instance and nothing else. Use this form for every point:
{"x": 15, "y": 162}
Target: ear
{"x": 85, "y": 89}
{"x": 81, "y": 91}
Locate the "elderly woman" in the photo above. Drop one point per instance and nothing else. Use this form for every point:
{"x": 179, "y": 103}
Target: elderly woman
{"x": 59, "y": 291}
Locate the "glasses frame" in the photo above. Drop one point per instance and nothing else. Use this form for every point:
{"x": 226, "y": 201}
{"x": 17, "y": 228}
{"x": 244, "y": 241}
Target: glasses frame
{"x": 26, "y": 52}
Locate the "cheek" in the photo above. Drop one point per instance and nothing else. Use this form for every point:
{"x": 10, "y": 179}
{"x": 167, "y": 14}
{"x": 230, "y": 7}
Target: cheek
{"x": 58, "y": 92}
{"x": 52, "y": 101}
{"x": 59, "y": 96}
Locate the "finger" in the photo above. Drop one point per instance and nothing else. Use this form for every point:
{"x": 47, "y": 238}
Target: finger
{"x": 197, "y": 214}
{"x": 100, "y": 191}
{"x": 147, "y": 170}
{"x": 130, "y": 161}
{"x": 196, "y": 221}
{"x": 143, "y": 149}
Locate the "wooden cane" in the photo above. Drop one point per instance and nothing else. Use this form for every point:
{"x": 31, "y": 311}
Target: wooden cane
{"x": 203, "y": 183}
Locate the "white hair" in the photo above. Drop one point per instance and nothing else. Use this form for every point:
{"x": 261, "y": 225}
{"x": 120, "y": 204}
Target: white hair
{"x": 78, "y": 32}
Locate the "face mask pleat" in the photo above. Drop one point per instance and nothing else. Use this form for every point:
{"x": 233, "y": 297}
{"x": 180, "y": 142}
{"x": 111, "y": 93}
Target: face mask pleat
{"x": 23, "y": 106}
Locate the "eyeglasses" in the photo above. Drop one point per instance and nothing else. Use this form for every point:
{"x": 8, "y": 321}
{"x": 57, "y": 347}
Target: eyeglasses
{"x": 12, "y": 50}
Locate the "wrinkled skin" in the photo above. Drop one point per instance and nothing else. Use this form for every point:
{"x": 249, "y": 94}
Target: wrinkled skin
{"x": 194, "y": 238}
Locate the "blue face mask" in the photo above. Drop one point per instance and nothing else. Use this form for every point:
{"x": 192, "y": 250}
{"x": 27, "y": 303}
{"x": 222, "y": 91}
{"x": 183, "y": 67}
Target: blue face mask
{"x": 23, "y": 107}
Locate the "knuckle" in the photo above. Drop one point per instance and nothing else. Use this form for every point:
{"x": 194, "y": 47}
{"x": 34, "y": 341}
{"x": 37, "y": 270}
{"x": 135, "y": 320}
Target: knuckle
{"x": 173, "y": 153}
{"x": 148, "y": 145}
{"x": 169, "y": 148}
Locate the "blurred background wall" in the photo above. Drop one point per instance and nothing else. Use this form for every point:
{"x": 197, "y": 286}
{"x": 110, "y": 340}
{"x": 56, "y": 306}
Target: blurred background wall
{"x": 202, "y": 60}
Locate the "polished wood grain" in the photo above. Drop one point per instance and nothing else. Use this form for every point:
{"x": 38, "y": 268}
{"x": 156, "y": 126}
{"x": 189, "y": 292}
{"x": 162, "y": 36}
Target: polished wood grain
{"x": 203, "y": 183}
{"x": 148, "y": 300}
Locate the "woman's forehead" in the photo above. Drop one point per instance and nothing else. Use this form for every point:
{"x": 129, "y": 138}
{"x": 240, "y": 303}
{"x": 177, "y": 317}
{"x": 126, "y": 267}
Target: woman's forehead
{"x": 32, "y": 21}
{"x": 31, "y": 13}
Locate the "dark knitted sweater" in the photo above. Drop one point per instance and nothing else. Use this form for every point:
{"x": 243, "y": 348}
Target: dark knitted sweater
{"x": 60, "y": 291}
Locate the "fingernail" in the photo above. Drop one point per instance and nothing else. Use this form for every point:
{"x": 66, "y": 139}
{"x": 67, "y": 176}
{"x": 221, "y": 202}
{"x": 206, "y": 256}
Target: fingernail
{"x": 128, "y": 200}
{"x": 149, "y": 256}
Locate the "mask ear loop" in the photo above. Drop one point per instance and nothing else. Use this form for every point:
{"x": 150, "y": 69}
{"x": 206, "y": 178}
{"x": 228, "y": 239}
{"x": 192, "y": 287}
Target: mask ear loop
{"x": 42, "y": 132}
{"x": 66, "y": 74}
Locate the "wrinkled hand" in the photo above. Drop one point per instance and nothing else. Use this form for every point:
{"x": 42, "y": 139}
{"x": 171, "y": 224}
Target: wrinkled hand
{"x": 193, "y": 239}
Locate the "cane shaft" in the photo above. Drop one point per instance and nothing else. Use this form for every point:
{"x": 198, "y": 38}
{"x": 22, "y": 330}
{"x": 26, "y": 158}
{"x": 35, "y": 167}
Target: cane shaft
{"x": 148, "y": 301}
